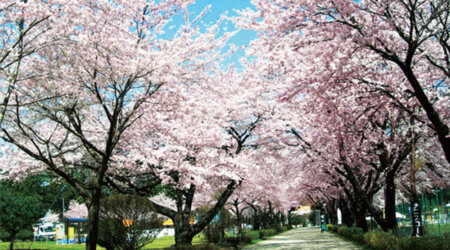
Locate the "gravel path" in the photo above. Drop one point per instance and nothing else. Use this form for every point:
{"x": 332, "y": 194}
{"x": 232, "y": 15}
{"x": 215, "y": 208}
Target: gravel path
{"x": 304, "y": 238}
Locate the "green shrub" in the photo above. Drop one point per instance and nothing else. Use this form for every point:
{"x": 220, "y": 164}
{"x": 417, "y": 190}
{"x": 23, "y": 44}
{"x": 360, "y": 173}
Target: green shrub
{"x": 379, "y": 240}
{"x": 25, "y": 235}
{"x": 357, "y": 234}
{"x": 332, "y": 228}
{"x": 234, "y": 241}
{"x": 351, "y": 233}
{"x": 425, "y": 242}
{"x": 254, "y": 235}
{"x": 266, "y": 233}
{"x": 358, "y": 238}
{"x": 246, "y": 239}
{"x": 262, "y": 235}
{"x": 340, "y": 230}
{"x": 296, "y": 219}
{"x": 212, "y": 233}
{"x": 142, "y": 230}
{"x": 208, "y": 246}
{"x": 4, "y": 236}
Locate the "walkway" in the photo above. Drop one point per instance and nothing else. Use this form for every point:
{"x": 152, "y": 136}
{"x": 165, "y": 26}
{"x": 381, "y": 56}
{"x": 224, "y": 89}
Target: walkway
{"x": 304, "y": 238}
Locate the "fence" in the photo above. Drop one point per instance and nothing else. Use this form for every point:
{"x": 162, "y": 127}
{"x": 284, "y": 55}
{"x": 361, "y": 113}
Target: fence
{"x": 435, "y": 213}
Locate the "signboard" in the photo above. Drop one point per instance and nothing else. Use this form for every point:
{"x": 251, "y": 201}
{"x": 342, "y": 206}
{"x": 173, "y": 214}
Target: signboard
{"x": 71, "y": 233}
{"x": 416, "y": 220}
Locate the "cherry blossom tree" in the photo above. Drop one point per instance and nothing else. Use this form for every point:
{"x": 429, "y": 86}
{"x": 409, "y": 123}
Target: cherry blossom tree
{"x": 76, "y": 210}
{"x": 333, "y": 56}
{"x": 80, "y": 94}
{"x": 409, "y": 38}
{"x": 21, "y": 25}
{"x": 203, "y": 148}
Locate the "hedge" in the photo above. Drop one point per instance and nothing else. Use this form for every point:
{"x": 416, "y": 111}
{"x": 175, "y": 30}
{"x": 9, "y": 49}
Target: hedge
{"x": 379, "y": 240}
{"x": 266, "y": 233}
{"x": 425, "y": 242}
{"x": 352, "y": 233}
{"x": 332, "y": 228}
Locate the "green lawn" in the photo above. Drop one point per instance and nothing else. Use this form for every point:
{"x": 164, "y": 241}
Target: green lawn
{"x": 51, "y": 245}
{"x": 167, "y": 241}
{"x": 162, "y": 242}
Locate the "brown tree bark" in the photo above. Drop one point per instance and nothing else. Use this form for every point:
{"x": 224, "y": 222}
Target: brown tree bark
{"x": 93, "y": 220}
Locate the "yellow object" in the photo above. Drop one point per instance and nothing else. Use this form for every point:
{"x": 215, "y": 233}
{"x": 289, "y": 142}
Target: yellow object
{"x": 127, "y": 223}
{"x": 71, "y": 233}
{"x": 169, "y": 222}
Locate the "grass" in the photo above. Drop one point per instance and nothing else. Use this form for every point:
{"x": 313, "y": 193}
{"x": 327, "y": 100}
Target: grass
{"x": 51, "y": 245}
{"x": 430, "y": 230}
{"x": 162, "y": 242}
{"x": 168, "y": 241}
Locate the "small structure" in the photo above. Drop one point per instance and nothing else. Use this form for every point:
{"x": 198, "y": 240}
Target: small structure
{"x": 70, "y": 235}
{"x": 168, "y": 229}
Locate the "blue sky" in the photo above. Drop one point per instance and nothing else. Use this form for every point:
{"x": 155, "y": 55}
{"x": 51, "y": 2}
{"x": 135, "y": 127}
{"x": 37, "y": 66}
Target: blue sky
{"x": 219, "y": 7}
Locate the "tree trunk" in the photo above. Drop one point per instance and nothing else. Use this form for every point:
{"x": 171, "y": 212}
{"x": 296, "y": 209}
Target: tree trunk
{"x": 362, "y": 196}
{"x": 439, "y": 126}
{"x": 11, "y": 244}
{"x": 183, "y": 238}
{"x": 255, "y": 221}
{"x": 239, "y": 223}
{"x": 283, "y": 219}
{"x": 238, "y": 217}
{"x": 389, "y": 202}
{"x": 360, "y": 217}
{"x": 347, "y": 217}
{"x": 331, "y": 211}
{"x": 93, "y": 220}
{"x": 183, "y": 232}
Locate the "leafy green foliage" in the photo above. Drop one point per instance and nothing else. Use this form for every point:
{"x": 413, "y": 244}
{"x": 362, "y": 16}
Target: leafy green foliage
{"x": 380, "y": 240}
{"x": 253, "y": 234}
{"x": 266, "y": 233}
{"x": 352, "y": 233}
{"x": 426, "y": 242}
{"x": 45, "y": 186}
{"x": 208, "y": 246}
{"x": 332, "y": 228}
{"x": 297, "y": 219}
{"x": 215, "y": 232}
{"x": 18, "y": 210}
{"x": 127, "y": 222}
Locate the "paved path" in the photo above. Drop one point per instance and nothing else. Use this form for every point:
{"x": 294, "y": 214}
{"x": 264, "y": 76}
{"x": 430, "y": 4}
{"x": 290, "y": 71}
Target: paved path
{"x": 304, "y": 238}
